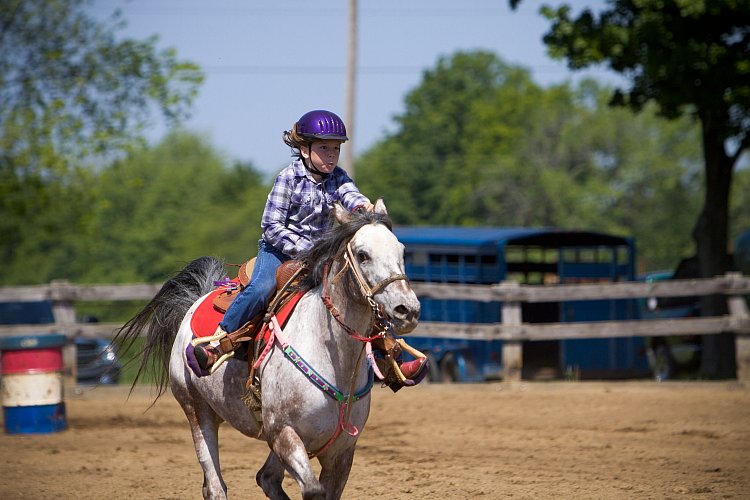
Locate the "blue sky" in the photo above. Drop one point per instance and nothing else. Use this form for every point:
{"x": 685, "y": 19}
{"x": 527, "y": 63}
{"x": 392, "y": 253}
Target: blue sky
{"x": 269, "y": 61}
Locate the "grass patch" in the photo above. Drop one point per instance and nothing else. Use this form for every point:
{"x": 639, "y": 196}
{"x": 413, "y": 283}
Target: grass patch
{"x": 108, "y": 311}
{"x": 130, "y": 359}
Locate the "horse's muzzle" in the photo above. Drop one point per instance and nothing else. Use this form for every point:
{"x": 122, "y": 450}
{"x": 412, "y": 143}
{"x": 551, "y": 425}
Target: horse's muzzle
{"x": 405, "y": 317}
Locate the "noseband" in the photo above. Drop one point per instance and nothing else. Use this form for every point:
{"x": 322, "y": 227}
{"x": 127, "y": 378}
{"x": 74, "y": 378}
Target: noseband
{"x": 379, "y": 323}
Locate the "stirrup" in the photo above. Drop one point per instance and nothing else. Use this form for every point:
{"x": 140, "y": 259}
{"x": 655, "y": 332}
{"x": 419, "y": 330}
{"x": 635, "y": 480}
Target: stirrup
{"x": 397, "y": 370}
{"x": 406, "y": 347}
{"x": 205, "y": 340}
{"x": 220, "y": 361}
{"x": 399, "y": 374}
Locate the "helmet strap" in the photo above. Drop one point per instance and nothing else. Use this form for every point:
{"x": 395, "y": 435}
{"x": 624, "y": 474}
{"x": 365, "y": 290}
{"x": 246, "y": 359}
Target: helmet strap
{"x": 311, "y": 168}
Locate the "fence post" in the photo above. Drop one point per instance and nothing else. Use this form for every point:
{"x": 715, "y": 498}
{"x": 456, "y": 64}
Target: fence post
{"x": 512, "y": 349}
{"x": 64, "y": 312}
{"x": 739, "y": 312}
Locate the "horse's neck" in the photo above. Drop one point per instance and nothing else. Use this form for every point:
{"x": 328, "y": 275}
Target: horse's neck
{"x": 343, "y": 350}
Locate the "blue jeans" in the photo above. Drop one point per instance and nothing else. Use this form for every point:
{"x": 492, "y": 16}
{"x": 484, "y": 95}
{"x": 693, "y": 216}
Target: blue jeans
{"x": 256, "y": 296}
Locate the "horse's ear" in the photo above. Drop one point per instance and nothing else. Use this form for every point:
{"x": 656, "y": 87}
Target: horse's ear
{"x": 341, "y": 214}
{"x": 380, "y": 207}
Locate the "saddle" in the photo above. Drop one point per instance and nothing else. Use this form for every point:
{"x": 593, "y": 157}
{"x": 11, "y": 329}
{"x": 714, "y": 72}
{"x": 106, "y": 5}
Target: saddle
{"x": 240, "y": 340}
{"x": 283, "y": 274}
{"x": 225, "y": 299}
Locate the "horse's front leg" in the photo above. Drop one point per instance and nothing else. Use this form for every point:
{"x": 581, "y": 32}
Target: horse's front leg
{"x": 335, "y": 471}
{"x": 270, "y": 477}
{"x": 291, "y": 451}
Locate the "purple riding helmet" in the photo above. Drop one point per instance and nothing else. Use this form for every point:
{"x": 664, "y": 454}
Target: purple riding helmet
{"x": 321, "y": 124}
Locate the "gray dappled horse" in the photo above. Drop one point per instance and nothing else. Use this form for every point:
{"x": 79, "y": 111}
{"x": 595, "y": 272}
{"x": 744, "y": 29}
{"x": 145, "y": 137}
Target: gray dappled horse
{"x": 300, "y": 418}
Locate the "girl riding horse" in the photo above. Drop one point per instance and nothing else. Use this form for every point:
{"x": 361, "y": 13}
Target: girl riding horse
{"x": 297, "y": 213}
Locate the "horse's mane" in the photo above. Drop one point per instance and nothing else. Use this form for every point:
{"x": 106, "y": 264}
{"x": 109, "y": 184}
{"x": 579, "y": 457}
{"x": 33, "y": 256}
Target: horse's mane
{"x": 326, "y": 246}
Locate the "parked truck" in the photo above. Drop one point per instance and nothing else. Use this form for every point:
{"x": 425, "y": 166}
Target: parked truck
{"x": 96, "y": 359}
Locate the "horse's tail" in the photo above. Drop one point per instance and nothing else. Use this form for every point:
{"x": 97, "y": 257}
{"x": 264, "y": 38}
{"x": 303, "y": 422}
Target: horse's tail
{"x": 160, "y": 319}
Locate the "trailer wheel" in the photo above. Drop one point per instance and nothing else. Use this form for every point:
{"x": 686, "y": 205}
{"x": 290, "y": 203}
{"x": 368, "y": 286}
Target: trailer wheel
{"x": 662, "y": 364}
{"x": 433, "y": 372}
{"x": 449, "y": 368}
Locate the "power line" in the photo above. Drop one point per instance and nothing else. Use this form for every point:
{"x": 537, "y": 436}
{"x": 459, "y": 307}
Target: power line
{"x": 399, "y": 13}
{"x": 335, "y": 70}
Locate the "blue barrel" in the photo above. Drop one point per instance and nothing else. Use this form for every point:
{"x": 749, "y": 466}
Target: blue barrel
{"x": 32, "y": 384}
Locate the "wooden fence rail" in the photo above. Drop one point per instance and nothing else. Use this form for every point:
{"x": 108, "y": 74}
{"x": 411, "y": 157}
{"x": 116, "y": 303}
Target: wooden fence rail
{"x": 512, "y": 330}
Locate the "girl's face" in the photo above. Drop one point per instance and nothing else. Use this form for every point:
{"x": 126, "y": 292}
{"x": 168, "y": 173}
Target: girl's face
{"x": 324, "y": 155}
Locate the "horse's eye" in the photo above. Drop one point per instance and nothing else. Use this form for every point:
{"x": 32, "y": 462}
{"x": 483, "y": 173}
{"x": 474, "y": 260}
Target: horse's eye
{"x": 362, "y": 256}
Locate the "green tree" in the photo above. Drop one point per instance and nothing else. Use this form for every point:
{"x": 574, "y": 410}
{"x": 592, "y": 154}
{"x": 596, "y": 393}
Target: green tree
{"x": 531, "y": 164}
{"x": 71, "y": 93}
{"x": 425, "y": 156}
{"x": 161, "y": 207}
{"x": 529, "y": 156}
{"x": 642, "y": 174}
{"x": 689, "y": 57}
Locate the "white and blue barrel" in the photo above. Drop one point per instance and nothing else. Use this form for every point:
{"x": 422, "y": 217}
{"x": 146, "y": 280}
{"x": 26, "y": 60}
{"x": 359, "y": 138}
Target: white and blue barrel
{"x": 32, "y": 384}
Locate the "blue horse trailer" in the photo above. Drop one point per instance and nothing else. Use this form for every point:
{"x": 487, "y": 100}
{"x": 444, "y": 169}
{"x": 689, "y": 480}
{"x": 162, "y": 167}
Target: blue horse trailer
{"x": 484, "y": 255}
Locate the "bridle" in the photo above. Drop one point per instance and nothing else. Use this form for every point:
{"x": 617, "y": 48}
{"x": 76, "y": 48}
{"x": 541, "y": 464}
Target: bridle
{"x": 379, "y": 323}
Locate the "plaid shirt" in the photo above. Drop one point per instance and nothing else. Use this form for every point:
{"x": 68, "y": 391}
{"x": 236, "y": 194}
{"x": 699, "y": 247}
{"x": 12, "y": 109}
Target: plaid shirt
{"x": 298, "y": 208}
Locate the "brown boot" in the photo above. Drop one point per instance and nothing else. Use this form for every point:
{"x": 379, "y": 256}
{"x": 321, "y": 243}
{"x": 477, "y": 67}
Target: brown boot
{"x": 206, "y": 355}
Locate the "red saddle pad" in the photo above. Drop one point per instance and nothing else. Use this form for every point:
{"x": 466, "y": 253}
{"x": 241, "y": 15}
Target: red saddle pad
{"x": 206, "y": 317}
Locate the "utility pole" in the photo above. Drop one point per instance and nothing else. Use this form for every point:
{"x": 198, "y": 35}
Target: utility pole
{"x": 351, "y": 79}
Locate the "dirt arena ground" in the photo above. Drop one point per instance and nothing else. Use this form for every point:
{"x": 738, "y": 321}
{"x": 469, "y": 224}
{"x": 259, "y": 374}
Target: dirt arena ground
{"x": 562, "y": 440}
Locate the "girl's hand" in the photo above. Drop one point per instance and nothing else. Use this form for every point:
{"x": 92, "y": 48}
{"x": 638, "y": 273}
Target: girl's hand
{"x": 365, "y": 207}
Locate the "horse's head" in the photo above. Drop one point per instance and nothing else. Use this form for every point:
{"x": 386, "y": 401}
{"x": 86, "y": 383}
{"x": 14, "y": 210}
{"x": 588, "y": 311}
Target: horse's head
{"x": 377, "y": 261}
